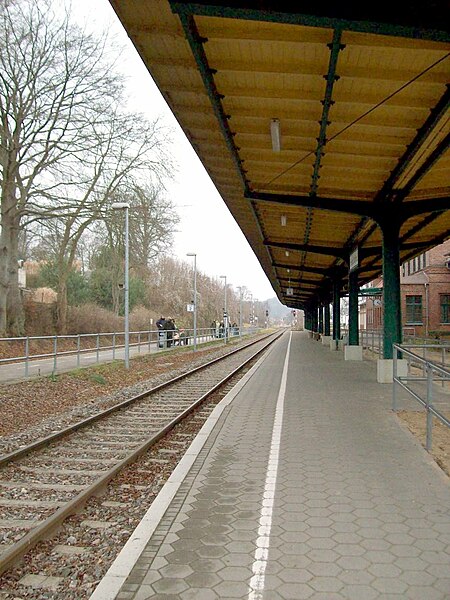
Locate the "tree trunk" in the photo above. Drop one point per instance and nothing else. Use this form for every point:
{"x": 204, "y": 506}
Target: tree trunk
{"x": 16, "y": 318}
{"x": 61, "y": 308}
{"x": 61, "y": 302}
{"x": 3, "y": 281}
{"x": 6, "y": 241}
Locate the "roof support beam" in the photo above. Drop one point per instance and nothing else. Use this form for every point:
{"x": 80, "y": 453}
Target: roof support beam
{"x": 326, "y": 250}
{"x": 435, "y": 116}
{"x": 420, "y": 23}
{"x": 342, "y": 253}
{"x": 301, "y": 280}
{"x": 316, "y": 270}
{"x": 196, "y": 44}
{"x": 440, "y": 149}
{"x": 331, "y": 77}
{"x": 356, "y": 207}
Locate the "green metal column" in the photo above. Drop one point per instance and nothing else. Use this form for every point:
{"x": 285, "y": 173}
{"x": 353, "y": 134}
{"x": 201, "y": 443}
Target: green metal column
{"x": 392, "y": 333}
{"x": 307, "y": 320}
{"x": 327, "y": 318}
{"x": 320, "y": 307}
{"x": 314, "y": 320}
{"x": 336, "y": 310}
{"x": 353, "y": 324}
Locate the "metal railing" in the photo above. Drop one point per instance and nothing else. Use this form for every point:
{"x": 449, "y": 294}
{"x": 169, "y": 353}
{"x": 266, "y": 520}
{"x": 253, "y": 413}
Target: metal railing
{"x": 420, "y": 385}
{"x": 372, "y": 339}
{"x": 88, "y": 343}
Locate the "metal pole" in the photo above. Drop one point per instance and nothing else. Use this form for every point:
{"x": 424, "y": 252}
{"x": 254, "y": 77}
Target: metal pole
{"x": 195, "y": 302}
{"x": 55, "y": 348}
{"x": 394, "y": 386}
{"x": 240, "y": 312}
{"x": 78, "y": 350}
{"x": 27, "y": 354}
{"x": 225, "y": 319}
{"x": 429, "y": 440}
{"x": 127, "y": 294}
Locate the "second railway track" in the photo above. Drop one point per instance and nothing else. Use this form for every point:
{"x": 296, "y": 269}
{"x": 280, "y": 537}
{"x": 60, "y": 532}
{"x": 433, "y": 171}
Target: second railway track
{"x": 47, "y": 481}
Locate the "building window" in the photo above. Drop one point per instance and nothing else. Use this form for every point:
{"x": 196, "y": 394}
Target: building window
{"x": 414, "y": 310}
{"x": 445, "y": 309}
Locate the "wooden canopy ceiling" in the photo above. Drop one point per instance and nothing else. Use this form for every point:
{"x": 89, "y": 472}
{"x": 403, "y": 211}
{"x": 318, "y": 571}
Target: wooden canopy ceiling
{"x": 362, "y": 105}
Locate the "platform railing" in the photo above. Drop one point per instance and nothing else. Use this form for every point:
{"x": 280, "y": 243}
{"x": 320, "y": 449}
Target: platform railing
{"x": 87, "y": 343}
{"x": 421, "y": 384}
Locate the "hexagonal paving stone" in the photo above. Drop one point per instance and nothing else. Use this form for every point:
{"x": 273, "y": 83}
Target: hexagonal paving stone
{"x": 325, "y": 556}
{"x": 235, "y": 573}
{"x": 295, "y": 575}
{"x": 198, "y": 594}
{"x": 170, "y": 586}
{"x": 353, "y": 563}
{"x": 384, "y": 570}
{"x": 211, "y": 552}
{"x": 356, "y": 578}
{"x": 231, "y": 589}
{"x": 203, "y": 580}
{"x": 295, "y": 591}
{"x": 390, "y": 586}
{"x": 326, "y": 584}
{"x": 206, "y": 565}
{"x": 176, "y": 571}
{"x": 419, "y": 578}
{"x": 324, "y": 569}
{"x": 359, "y": 592}
{"x": 321, "y": 543}
{"x": 235, "y": 559}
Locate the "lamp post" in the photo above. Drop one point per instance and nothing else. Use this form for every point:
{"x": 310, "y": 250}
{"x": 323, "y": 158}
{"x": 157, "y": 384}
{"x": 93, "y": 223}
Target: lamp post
{"x": 195, "y": 298}
{"x": 240, "y": 310}
{"x": 225, "y": 312}
{"x": 125, "y": 206}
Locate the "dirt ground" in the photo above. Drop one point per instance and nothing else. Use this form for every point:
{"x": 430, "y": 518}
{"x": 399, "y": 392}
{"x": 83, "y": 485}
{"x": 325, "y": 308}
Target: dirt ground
{"x": 416, "y": 423}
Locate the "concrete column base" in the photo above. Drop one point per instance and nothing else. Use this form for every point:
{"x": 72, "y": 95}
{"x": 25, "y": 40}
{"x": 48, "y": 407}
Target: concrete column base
{"x": 385, "y": 369}
{"x": 326, "y": 340}
{"x": 336, "y": 344}
{"x": 353, "y": 353}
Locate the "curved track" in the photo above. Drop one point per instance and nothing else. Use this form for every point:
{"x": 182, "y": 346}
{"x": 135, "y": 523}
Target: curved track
{"x": 47, "y": 481}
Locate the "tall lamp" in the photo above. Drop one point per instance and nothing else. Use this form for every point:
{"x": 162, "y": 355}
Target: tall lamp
{"x": 125, "y": 206}
{"x": 195, "y": 298}
{"x": 225, "y": 316}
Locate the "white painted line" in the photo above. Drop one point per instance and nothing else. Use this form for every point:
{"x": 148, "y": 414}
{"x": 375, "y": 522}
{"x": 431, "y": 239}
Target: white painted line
{"x": 259, "y": 567}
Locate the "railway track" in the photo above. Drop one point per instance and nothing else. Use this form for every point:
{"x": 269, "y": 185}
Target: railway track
{"x": 47, "y": 481}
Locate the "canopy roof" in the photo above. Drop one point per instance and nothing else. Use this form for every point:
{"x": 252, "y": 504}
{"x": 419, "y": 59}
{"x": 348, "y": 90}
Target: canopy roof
{"x": 360, "y": 101}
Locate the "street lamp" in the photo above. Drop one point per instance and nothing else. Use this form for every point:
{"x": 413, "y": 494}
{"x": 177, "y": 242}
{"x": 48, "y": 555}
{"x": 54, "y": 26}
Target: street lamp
{"x": 240, "y": 310}
{"x": 195, "y": 298}
{"x": 125, "y": 206}
{"x": 225, "y": 312}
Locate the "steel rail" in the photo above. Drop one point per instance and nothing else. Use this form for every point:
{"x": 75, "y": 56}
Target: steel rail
{"x": 21, "y": 452}
{"x": 42, "y": 531}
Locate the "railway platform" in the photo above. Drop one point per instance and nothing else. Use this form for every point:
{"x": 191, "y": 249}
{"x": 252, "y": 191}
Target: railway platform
{"x": 302, "y": 484}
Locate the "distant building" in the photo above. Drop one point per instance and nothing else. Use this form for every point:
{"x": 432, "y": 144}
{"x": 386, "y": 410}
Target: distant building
{"x": 425, "y": 294}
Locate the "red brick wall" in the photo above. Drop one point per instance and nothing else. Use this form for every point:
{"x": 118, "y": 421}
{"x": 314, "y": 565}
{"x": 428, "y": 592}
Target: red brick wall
{"x": 436, "y": 281}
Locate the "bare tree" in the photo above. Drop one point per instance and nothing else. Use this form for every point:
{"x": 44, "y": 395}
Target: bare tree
{"x": 56, "y": 83}
{"x": 152, "y": 224}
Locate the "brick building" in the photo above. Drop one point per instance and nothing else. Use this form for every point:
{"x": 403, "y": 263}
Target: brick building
{"x": 425, "y": 295}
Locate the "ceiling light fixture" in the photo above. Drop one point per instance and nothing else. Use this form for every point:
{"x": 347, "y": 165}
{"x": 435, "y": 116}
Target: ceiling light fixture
{"x": 287, "y": 252}
{"x": 275, "y": 135}
{"x": 283, "y": 220}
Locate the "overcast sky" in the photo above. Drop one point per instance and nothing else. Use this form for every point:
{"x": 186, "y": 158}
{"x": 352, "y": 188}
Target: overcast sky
{"x": 207, "y": 227}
